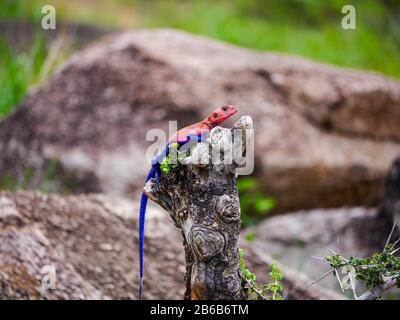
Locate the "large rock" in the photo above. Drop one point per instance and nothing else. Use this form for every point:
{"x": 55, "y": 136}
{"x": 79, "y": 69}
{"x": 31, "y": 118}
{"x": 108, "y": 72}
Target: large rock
{"x": 325, "y": 136}
{"x": 91, "y": 244}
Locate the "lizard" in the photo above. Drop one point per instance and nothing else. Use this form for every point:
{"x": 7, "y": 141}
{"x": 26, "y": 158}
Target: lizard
{"x": 195, "y": 132}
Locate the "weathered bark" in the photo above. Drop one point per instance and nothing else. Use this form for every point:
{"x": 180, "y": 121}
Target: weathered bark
{"x": 202, "y": 200}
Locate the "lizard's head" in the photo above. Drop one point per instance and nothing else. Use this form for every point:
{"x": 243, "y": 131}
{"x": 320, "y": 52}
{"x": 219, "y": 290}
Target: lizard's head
{"x": 221, "y": 114}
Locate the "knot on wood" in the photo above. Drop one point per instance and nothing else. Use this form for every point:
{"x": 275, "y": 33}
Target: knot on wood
{"x": 206, "y": 242}
{"x": 228, "y": 208}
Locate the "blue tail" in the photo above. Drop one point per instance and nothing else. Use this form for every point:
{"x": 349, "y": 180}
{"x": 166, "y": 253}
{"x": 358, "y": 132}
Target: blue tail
{"x": 153, "y": 173}
{"x": 143, "y": 204}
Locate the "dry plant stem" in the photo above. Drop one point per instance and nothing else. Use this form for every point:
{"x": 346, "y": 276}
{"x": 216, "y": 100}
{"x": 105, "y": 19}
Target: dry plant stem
{"x": 376, "y": 292}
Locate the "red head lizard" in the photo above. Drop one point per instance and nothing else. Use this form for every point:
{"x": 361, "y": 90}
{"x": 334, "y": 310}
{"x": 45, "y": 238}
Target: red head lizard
{"x": 197, "y": 131}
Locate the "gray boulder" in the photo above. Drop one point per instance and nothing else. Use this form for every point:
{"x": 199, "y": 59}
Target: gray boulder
{"x": 90, "y": 241}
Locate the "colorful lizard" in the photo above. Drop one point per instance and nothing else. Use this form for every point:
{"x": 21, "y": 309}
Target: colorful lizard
{"x": 196, "y": 132}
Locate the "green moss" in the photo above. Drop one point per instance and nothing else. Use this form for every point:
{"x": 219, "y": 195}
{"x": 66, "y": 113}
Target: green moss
{"x": 170, "y": 162}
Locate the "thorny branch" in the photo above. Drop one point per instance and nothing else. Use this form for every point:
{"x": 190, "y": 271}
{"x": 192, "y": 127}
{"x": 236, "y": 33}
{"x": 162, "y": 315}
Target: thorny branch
{"x": 381, "y": 275}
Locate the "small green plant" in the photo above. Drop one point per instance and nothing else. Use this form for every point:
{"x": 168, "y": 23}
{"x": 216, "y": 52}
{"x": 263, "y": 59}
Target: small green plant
{"x": 253, "y": 204}
{"x": 269, "y": 291}
{"x": 249, "y": 236}
{"x": 170, "y": 162}
{"x": 275, "y": 288}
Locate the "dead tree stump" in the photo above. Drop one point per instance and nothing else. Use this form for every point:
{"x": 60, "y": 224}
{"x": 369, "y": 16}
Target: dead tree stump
{"x": 201, "y": 197}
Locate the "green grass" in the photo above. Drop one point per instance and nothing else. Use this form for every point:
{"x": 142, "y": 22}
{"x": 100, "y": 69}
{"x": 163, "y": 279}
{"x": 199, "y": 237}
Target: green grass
{"x": 310, "y": 28}
{"x": 18, "y": 72}
{"x": 21, "y": 70}
{"x": 20, "y": 9}
{"x": 313, "y": 32}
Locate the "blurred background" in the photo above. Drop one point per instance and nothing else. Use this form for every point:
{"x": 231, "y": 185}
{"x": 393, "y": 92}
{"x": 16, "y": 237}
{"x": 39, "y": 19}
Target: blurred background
{"x": 309, "y": 28}
{"x": 327, "y": 136}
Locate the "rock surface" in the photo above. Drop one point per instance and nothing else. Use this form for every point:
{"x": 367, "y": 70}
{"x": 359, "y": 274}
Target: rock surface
{"x": 324, "y": 137}
{"x": 91, "y": 243}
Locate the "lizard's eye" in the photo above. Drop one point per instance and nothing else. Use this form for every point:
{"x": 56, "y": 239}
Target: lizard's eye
{"x": 224, "y": 108}
{"x": 215, "y": 115}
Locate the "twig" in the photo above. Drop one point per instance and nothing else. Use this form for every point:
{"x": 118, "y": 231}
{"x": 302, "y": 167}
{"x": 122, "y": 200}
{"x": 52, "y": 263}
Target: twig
{"x": 366, "y": 266}
{"x": 319, "y": 258}
{"x": 254, "y": 288}
{"x": 353, "y": 285}
{"x": 391, "y": 233}
{"x": 394, "y": 251}
{"x": 334, "y": 270}
{"x": 338, "y": 279}
{"x": 336, "y": 254}
{"x": 396, "y": 242}
{"x": 320, "y": 278}
{"x": 376, "y": 292}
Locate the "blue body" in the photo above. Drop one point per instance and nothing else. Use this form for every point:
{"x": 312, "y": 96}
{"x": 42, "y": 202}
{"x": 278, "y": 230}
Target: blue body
{"x": 154, "y": 173}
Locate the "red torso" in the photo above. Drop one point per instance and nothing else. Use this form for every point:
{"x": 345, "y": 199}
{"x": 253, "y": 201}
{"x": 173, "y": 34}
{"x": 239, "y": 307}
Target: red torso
{"x": 198, "y": 129}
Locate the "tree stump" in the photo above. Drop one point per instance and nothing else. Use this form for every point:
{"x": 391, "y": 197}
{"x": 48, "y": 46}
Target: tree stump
{"x": 201, "y": 197}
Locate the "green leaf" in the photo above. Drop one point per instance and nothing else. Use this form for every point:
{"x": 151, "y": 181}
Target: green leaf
{"x": 164, "y": 166}
{"x": 245, "y": 184}
{"x": 263, "y": 205}
{"x": 249, "y": 236}
{"x": 275, "y": 273}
